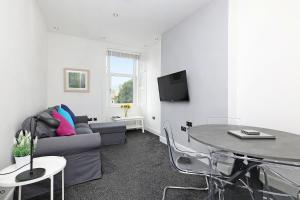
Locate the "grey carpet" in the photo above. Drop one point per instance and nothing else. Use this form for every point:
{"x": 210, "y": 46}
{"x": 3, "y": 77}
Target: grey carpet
{"x": 137, "y": 170}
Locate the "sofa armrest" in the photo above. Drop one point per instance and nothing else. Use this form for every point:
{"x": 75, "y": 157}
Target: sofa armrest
{"x": 82, "y": 119}
{"x": 66, "y": 145}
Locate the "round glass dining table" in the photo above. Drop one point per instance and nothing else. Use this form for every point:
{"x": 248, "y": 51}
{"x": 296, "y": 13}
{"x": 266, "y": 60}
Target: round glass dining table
{"x": 285, "y": 148}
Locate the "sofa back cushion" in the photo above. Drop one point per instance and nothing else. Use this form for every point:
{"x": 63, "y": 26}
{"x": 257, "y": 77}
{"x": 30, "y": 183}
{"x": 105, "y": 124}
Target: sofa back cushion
{"x": 42, "y": 129}
{"x": 66, "y": 108}
{"x": 66, "y": 115}
{"x": 49, "y": 110}
{"x": 65, "y": 128}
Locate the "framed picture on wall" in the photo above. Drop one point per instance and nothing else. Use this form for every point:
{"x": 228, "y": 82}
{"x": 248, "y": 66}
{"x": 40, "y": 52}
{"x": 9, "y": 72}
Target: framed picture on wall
{"x": 76, "y": 80}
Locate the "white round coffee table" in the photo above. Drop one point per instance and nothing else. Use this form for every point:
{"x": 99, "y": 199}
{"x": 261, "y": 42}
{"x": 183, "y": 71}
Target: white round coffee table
{"x": 52, "y": 164}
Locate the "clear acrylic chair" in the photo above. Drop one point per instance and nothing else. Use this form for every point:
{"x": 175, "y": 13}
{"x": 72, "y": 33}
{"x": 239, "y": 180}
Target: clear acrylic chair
{"x": 185, "y": 162}
{"x": 274, "y": 180}
{"x": 281, "y": 180}
{"x": 243, "y": 176}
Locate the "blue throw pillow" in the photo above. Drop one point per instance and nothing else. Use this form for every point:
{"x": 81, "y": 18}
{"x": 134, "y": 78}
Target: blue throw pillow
{"x": 66, "y": 115}
{"x": 66, "y": 108}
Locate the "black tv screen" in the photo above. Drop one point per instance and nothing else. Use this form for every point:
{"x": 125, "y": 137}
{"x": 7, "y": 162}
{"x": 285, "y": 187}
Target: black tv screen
{"x": 173, "y": 87}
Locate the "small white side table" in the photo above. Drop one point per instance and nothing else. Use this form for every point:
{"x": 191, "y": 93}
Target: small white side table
{"x": 52, "y": 164}
{"x": 139, "y": 122}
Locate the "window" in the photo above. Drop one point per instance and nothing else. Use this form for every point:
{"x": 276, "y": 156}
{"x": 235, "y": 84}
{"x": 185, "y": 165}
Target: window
{"x": 122, "y": 69}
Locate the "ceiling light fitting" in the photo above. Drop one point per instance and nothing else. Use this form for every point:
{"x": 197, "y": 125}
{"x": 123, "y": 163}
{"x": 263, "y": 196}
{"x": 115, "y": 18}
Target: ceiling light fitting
{"x": 55, "y": 28}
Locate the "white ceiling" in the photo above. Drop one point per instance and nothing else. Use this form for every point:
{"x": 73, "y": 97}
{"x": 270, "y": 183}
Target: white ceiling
{"x": 138, "y": 24}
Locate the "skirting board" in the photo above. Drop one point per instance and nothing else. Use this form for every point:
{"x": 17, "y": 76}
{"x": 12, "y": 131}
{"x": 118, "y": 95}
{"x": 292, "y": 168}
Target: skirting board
{"x": 152, "y": 130}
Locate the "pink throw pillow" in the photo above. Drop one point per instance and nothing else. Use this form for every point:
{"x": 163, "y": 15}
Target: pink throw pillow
{"x": 65, "y": 128}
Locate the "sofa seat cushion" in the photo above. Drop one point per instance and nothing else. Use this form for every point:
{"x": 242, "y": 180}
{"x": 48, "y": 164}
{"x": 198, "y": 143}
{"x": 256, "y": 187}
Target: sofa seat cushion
{"x": 83, "y": 130}
{"x": 82, "y": 125}
{"x": 108, "y": 127}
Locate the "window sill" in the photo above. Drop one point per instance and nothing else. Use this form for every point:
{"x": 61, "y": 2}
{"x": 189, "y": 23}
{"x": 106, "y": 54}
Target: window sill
{"x": 119, "y": 105}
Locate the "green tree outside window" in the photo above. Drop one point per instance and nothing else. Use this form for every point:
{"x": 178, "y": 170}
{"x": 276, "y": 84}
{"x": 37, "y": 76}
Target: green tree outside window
{"x": 125, "y": 93}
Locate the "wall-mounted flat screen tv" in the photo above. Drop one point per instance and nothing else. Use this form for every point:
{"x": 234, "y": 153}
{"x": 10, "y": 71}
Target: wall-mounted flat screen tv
{"x": 173, "y": 87}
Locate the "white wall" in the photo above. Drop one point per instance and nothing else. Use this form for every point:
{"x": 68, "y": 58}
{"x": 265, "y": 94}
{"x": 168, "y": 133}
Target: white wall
{"x": 71, "y": 52}
{"x": 23, "y": 68}
{"x": 265, "y": 58}
{"x": 65, "y": 51}
{"x": 199, "y": 45}
{"x": 152, "y": 63}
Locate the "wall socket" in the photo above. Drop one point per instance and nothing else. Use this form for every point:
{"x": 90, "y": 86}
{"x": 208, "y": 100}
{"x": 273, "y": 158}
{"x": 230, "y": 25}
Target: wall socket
{"x": 189, "y": 124}
{"x": 183, "y": 128}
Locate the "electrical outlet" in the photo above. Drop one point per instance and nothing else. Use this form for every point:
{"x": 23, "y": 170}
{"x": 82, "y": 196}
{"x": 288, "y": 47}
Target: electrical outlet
{"x": 183, "y": 128}
{"x": 153, "y": 117}
{"x": 189, "y": 124}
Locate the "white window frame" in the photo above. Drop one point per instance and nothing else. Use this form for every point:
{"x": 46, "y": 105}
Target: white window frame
{"x": 134, "y": 77}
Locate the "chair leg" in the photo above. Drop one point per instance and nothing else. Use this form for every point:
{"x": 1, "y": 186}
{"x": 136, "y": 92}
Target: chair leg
{"x": 185, "y": 188}
{"x": 221, "y": 194}
{"x": 207, "y": 184}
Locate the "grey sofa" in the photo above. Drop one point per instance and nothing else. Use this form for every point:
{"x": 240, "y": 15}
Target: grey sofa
{"x": 82, "y": 152}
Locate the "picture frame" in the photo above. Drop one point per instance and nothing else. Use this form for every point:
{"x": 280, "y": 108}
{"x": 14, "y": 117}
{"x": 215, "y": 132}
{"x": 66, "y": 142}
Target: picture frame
{"x": 76, "y": 80}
